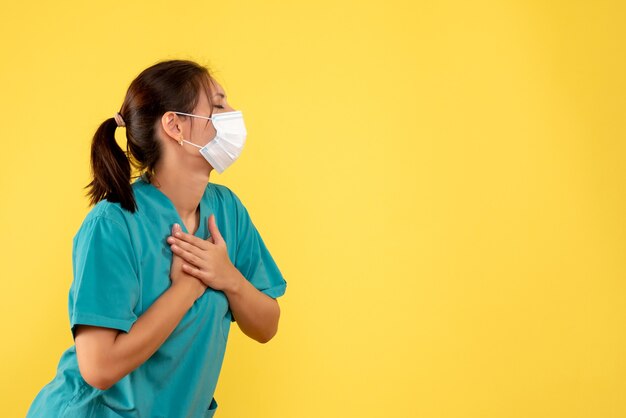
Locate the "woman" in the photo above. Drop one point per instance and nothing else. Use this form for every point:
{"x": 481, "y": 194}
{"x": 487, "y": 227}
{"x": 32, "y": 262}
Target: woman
{"x": 162, "y": 265}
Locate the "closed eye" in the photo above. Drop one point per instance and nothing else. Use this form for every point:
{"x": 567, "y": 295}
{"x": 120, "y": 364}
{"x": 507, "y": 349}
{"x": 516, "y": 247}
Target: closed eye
{"x": 219, "y": 106}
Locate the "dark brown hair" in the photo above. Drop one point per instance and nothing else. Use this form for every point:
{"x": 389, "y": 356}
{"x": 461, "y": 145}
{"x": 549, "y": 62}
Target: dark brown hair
{"x": 173, "y": 85}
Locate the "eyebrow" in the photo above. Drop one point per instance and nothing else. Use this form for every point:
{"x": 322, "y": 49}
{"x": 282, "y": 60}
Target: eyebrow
{"x": 219, "y": 94}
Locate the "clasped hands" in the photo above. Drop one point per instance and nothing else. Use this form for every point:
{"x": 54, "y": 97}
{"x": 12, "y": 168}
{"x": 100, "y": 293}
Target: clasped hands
{"x": 206, "y": 260}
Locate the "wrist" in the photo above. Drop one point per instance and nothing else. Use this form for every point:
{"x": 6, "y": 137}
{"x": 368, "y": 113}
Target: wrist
{"x": 186, "y": 291}
{"x": 235, "y": 282}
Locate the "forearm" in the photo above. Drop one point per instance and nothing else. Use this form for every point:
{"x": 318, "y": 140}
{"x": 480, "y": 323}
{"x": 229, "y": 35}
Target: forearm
{"x": 256, "y": 313}
{"x": 149, "y": 332}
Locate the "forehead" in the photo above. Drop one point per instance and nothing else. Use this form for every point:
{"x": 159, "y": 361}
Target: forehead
{"x": 216, "y": 89}
{"x": 216, "y": 93}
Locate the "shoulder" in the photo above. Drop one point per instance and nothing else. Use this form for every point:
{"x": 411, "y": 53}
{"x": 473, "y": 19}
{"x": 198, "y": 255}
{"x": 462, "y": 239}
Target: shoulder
{"x": 225, "y": 195}
{"x": 220, "y": 189}
{"x": 106, "y": 214}
{"x": 109, "y": 211}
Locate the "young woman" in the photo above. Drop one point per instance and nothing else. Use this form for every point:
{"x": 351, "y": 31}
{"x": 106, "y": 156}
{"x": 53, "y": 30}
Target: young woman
{"x": 162, "y": 265}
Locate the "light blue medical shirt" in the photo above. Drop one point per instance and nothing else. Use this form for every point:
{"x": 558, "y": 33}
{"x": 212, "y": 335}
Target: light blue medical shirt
{"x": 121, "y": 264}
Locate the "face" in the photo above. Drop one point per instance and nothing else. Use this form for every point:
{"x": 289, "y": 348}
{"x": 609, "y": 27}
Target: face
{"x": 203, "y": 129}
{"x": 196, "y": 130}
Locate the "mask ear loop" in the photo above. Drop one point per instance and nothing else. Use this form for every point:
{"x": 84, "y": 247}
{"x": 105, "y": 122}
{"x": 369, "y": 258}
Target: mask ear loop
{"x": 192, "y": 115}
{"x": 180, "y": 141}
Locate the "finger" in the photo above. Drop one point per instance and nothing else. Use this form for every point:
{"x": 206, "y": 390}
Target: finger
{"x": 186, "y": 255}
{"x": 186, "y": 246}
{"x": 216, "y": 235}
{"x": 195, "y": 272}
{"x": 191, "y": 239}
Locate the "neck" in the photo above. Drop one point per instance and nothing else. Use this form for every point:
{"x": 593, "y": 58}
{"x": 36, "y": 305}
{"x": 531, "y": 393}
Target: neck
{"x": 183, "y": 182}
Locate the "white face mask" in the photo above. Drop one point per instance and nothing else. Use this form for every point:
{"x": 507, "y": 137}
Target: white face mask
{"x": 229, "y": 139}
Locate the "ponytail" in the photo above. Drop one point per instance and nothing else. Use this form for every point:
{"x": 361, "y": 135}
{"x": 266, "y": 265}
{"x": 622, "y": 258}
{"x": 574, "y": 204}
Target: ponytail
{"x": 110, "y": 168}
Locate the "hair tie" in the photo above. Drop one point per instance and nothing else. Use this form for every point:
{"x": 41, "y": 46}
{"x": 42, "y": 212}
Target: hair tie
{"x": 119, "y": 120}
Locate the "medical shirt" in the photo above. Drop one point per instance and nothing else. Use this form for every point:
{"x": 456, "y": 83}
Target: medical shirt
{"x": 121, "y": 264}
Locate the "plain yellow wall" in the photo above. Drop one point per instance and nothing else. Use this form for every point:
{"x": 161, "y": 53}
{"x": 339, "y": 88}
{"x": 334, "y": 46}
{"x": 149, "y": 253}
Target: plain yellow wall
{"x": 441, "y": 183}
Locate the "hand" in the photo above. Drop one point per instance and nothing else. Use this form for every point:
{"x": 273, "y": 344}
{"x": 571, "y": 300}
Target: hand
{"x": 206, "y": 260}
{"x": 180, "y": 277}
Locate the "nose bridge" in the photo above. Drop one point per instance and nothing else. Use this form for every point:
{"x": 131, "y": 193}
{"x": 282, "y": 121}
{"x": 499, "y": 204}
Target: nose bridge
{"x": 228, "y": 107}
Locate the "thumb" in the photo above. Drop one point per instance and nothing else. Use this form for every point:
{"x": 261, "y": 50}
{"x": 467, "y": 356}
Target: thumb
{"x": 216, "y": 236}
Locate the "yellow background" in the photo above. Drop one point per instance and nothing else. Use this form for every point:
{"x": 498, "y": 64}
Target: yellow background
{"x": 440, "y": 182}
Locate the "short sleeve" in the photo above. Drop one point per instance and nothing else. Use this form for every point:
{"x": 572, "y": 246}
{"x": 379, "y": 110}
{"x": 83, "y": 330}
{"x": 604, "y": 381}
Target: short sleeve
{"x": 253, "y": 259}
{"x": 105, "y": 289}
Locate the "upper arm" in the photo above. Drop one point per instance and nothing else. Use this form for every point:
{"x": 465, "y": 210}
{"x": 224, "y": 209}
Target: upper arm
{"x": 253, "y": 258}
{"x": 105, "y": 291}
{"x": 104, "y": 295}
{"x": 93, "y": 351}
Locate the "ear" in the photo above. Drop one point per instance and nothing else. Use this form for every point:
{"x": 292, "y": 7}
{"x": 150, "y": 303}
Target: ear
{"x": 172, "y": 125}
